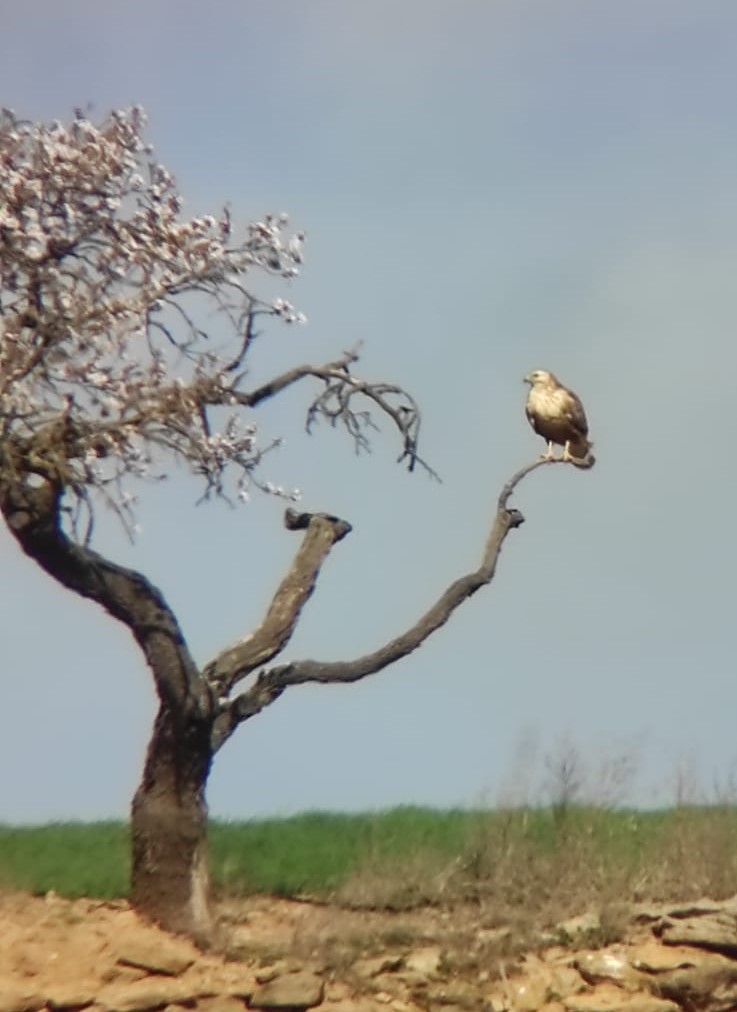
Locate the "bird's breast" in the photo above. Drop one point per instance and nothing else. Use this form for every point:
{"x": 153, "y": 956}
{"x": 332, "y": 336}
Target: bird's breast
{"x": 545, "y": 403}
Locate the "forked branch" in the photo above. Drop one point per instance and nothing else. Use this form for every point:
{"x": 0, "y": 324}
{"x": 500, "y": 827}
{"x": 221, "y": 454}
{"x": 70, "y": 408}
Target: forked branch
{"x": 236, "y": 662}
{"x": 272, "y": 682}
{"x": 336, "y": 404}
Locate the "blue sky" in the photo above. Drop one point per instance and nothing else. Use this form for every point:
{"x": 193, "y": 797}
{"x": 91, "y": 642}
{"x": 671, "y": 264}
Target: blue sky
{"x": 487, "y": 188}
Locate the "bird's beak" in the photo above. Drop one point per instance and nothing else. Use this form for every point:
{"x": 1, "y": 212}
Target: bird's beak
{"x": 527, "y": 379}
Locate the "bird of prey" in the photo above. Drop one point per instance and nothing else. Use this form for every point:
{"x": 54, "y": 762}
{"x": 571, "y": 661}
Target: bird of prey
{"x": 557, "y": 414}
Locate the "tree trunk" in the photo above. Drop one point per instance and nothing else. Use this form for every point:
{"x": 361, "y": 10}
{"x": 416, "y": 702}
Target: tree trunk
{"x": 170, "y": 879}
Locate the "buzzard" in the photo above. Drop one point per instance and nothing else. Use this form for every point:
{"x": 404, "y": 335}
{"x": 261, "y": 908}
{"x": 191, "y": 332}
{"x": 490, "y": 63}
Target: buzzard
{"x": 556, "y": 414}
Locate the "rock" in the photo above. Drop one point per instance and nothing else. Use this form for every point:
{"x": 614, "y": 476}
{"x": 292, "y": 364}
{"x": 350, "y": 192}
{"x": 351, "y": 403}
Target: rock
{"x": 374, "y": 965}
{"x": 359, "y": 1003}
{"x": 611, "y": 966}
{"x": 443, "y": 1006}
{"x": 652, "y": 957}
{"x": 232, "y": 980}
{"x": 147, "y": 994}
{"x": 70, "y": 996}
{"x": 694, "y": 908}
{"x": 425, "y": 961}
{"x": 645, "y": 913}
{"x": 708, "y": 979}
{"x": 575, "y": 927}
{"x": 122, "y": 974}
{"x": 528, "y": 993}
{"x": 16, "y": 998}
{"x": 456, "y": 994}
{"x": 221, "y": 1003}
{"x": 539, "y": 983}
{"x": 283, "y": 966}
{"x": 608, "y": 998}
{"x": 337, "y": 991}
{"x": 167, "y": 957}
{"x": 292, "y": 991}
{"x": 411, "y": 980}
{"x": 717, "y": 931}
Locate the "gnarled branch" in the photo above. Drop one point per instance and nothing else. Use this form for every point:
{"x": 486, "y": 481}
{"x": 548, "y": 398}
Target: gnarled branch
{"x": 335, "y": 404}
{"x": 33, "y": 515}
{"x": 271, "y": 683}
{"x": 236, "y": 662}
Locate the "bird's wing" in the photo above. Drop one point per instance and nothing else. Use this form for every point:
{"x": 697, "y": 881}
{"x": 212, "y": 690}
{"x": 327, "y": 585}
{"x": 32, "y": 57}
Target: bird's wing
{"x": 573, "y": 412}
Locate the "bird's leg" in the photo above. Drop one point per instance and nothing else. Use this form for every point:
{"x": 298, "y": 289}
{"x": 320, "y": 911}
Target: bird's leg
{"x": 567, "y": 451}
{"x": 548, "y": 455}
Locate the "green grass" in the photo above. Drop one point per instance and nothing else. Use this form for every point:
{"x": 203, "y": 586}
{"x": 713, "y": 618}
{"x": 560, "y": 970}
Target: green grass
{"x": 563, "y": 858}
{"x": 317, "y": 852}
{"x": 72, "y": 858}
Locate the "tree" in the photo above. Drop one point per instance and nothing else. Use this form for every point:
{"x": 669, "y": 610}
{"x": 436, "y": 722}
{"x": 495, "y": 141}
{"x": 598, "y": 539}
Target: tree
{"x": 111, "y": 369}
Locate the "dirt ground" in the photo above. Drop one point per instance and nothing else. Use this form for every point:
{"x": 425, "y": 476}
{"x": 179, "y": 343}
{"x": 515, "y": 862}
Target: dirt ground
{"x": 77, "y": 945}
{"x": 62, "y": 956}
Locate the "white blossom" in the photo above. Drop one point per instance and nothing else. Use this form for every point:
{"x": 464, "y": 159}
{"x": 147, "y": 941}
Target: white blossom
{"x": 106, "y": 296}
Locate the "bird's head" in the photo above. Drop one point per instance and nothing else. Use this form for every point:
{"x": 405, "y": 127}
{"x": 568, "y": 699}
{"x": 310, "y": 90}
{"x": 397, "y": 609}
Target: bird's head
{"x": 539, "y": 377}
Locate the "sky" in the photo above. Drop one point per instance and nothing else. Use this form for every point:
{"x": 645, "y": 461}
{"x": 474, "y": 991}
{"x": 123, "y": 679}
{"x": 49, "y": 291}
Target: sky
{"x": 487, "y": 187}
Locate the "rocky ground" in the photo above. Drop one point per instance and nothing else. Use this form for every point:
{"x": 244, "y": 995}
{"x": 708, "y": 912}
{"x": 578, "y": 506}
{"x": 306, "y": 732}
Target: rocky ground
{"x": 59, "y": 955}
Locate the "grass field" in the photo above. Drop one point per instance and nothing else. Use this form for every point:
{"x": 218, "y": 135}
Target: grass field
{"x": 563, "y": 859}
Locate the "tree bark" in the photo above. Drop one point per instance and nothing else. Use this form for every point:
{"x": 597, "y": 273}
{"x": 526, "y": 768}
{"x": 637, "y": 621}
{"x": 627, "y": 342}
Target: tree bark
{"x": 170, "y": 877}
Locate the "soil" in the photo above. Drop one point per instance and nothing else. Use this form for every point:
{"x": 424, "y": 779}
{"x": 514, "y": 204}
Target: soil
{"x": 63, "y": 956}
{"x": 77, "y": 944}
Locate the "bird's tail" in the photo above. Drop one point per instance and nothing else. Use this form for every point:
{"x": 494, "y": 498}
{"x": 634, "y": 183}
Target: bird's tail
{"x": 581, "y": 454}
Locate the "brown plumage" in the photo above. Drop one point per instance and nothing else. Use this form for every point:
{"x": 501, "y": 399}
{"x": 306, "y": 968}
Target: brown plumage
{"x": 556, "y": 414}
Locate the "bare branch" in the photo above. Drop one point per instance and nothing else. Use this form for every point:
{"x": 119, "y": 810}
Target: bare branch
{"x": 33, "y": 516}
{"x": 291, "y": 376}
{"x": 259, "y": 647}
{"x": 335, "y": 404}
{"x": 270, "y": 684}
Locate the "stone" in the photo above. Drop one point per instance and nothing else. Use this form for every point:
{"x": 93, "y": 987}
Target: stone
{"x": 337, "y": 991}
{"x": 528, "y": 993}
{"x": 145, "y": 994}
{"x": 456, "y": 994}
{"x": 708, "y": 979}
{"x": 645, "y": 913}
{"x": 374, "y": 965}
{"x": 70, "y": 996}
{"x": 16, "y": 998}
{"x": 575, "y": 927}
{"x": 425, "y": 961}
{"x": 410, "y": 980}
{"x": 221, "y": 1003}
{"x": 359, "y": 1003}
{"x": 547, "y": 979}
{"x": 232, "y": 980}
{"x": 693, "y": 908}
{"x": 165, "y": 957}
{"x": 652, "y": 957}
{"x": 717, "y": 931}
{"x": 123, "y": 974}
{"x": 268, "y": 973}
{"x": 610, "y": 965}
{"x": 291, "y": 991}
{"x": 608, "y": 998}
